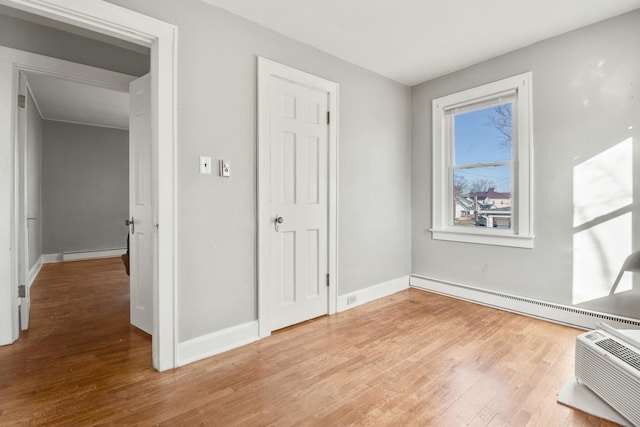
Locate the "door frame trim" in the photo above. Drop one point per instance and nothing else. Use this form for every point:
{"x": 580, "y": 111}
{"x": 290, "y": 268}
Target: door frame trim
{"x": 267, "y": 69}
{"x": 161, "y": 39}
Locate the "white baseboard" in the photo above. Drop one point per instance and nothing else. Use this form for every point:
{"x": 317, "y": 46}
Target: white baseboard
{"x": 354, "y": 299}
{"x": 557, "y": 313}
{"x": 49, "y": 258}
{"x": 33, "y": 272}
{"x": 218, "y": 342}
{"x": 209, "y": 345}
{"x": 75, "y": 256}
{"x": 108, "y": 253}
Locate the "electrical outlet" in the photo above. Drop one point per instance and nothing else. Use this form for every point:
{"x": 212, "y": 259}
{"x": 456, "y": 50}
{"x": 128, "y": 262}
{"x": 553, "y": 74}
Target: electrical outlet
{"x": 351, "y": 299}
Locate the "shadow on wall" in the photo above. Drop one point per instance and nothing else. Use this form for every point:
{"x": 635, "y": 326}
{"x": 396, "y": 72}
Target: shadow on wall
{"x": 603, "y": 231}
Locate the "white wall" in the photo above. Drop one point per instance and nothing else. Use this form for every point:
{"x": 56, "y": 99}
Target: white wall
{"x": 586, "y": 100}
{"x": 85, "y": 190}
{"x": 31, "y": 37}
{"x": 34, "y": 181}
{"x": 217, "y": 117}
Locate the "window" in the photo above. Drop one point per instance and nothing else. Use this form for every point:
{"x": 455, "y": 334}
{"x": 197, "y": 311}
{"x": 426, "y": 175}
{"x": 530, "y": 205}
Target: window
{"x": 482, "y": 154}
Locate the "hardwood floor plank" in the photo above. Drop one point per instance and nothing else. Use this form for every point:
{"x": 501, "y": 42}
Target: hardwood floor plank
{"x": 413, "y": 358}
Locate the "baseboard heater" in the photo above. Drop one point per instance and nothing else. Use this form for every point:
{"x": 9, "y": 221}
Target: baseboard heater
{"x": 608, "y": 363}
{"x": 98, "y": 253}
{"x": 558, "y": 313}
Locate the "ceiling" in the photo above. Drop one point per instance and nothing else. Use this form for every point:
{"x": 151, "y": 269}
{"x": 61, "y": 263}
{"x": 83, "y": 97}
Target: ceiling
{"x": 409, "y": 41}
{"x": 412, "y": 41}
{"x": 71, "y": 101}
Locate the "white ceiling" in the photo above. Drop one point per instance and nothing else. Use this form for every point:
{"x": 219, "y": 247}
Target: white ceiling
{"x": 412, "y": 41}
{"x": 70, "y": 101}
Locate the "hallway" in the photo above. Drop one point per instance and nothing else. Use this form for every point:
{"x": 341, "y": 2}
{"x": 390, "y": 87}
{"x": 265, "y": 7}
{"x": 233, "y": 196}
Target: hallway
{"x": 79, "y": 344}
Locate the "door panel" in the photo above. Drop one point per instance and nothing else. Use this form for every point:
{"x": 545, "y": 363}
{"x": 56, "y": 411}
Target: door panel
{"x": 288, "y": 269}
{"x": 313, "y": 170}
{"x": 140, "y": 205}
{"x": 299, "y": 146}
{"x": 313, "y": 269}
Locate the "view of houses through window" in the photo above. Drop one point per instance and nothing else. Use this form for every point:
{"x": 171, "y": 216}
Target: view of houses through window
{"x": 482, "y": 166}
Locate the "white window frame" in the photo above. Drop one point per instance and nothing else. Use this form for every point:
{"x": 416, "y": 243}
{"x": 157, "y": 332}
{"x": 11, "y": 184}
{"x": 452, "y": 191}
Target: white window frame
{"x": 521, "y": 233}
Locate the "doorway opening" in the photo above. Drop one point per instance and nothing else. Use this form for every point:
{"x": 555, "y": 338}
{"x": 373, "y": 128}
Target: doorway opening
{"x": 125, "y": 25}
{"x": 83, "y": 168}
{"x": 71, "y": 160}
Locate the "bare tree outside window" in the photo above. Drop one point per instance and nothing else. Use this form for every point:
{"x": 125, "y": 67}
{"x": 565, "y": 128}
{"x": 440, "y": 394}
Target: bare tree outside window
{"x": 501, "y": 120}
{"x": 481, "y": 185}
{"x": 460, "y": 184}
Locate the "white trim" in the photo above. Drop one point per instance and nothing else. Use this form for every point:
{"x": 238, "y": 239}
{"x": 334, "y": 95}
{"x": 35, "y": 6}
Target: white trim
{"x": 161, "y": 38}
{"x": 334, "y": 163}
{"x": 107, "y": 253}
{"x": 371, "y": 293}
{"x": 521, "y": 235}
{"x": 266, "y": 69}
{"x": 553, "y": 312}
{"x": 215, "y": 343}
{"x": 51, "y": 258}
{"x": 33, "y": 272}
{"x": 484, "y": 237}
{"x": 84, "y": 124}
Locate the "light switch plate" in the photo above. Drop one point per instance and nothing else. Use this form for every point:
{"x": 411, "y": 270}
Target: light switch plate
{"x": 225, "y": 168}
{"x": 205, "y": 165}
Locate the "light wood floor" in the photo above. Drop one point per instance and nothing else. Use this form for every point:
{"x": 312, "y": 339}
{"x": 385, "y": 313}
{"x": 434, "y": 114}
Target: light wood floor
{"x": 413, "y": 358}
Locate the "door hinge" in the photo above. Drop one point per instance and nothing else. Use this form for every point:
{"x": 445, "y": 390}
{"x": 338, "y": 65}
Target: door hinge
{"x": 328, "y": 280}
{"x": 328, "y": 117}
{"x": 22, "y": 291}
{"x": 21, "y": 101}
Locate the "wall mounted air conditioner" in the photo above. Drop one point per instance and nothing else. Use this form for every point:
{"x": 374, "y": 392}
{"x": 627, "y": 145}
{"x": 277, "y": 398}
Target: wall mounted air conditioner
{"x": 608, "y": 363}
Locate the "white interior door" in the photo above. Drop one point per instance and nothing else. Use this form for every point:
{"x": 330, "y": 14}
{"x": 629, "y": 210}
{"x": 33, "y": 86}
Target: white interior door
{"x": 22, "y": 209}
{"x": 140, "y": 205}
{"x": 299, "y": 168}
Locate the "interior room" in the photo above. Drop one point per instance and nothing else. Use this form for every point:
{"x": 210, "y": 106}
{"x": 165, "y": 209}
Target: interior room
{"x": 82, "y": 169}
{"x": 321, "y": 245}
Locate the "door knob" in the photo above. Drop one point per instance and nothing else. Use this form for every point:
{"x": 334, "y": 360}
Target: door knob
{"x": 279, "y": 220}
{"x": 130, "y": 223}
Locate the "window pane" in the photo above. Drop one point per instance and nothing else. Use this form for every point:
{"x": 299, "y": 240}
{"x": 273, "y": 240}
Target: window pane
{"x": 483, "y": 136}
{"x": 482, "y": 197}
{"x": 473, "y": 147}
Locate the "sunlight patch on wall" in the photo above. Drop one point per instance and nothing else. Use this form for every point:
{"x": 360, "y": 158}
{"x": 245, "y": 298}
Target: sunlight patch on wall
{"x": 603, "y": 184}
{"x": 598, "y": 253}
{"x": 602, "y": 220}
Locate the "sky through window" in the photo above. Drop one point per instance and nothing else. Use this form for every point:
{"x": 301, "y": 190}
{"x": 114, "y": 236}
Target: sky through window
{"x": 480, "y": 138}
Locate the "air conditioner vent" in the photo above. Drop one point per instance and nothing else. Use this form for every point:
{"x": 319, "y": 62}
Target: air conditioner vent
{"x": 610, "y": 368}
{"x": 620, "y": 351}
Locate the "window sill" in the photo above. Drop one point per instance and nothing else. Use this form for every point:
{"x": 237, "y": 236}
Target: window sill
{"x": 484, "y": 238}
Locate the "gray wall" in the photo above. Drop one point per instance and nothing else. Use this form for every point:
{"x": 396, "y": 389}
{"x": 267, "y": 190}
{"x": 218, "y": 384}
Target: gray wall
{"x": 85, "y": 187}
{"x": 586, "y": 95}
{"x": 34, "y": 181}
{"x": 217, "y": 117}
{"x": 31, "y": 37}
